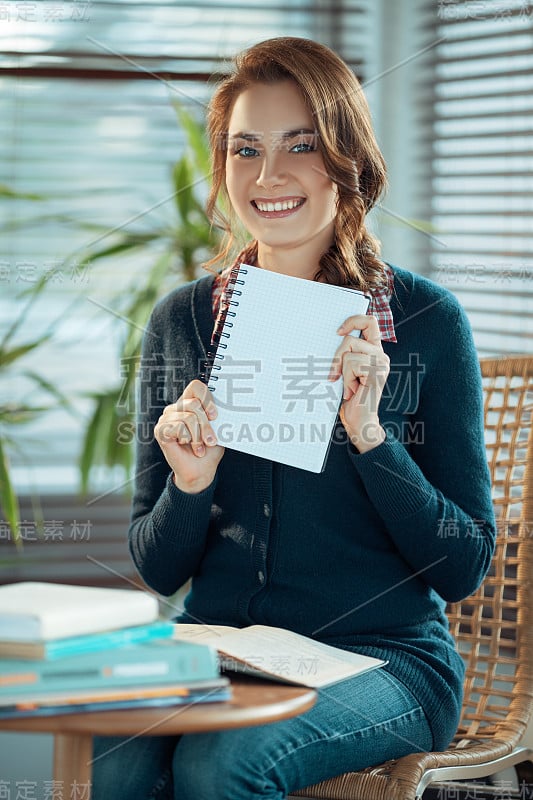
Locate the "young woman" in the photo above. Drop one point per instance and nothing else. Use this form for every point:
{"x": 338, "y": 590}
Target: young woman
{"x": 362, "y": 556}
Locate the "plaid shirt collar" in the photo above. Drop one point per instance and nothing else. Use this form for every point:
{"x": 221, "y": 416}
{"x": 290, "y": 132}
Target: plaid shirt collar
{"x": 379, "y": 306}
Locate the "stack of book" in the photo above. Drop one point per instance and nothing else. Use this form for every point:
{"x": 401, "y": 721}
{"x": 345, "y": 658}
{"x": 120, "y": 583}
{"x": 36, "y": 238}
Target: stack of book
{"x": 66, "y": 649}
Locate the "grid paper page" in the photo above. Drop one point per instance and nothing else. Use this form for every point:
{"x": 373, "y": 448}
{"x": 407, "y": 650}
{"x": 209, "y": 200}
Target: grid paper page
{"x": 269, "y": 378}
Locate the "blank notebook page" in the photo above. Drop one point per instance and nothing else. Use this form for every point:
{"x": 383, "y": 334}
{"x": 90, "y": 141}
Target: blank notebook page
{"x": 269, "y": 374}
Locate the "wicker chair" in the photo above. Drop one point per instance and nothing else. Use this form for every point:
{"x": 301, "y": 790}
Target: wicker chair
{"x": 493, "y": 627}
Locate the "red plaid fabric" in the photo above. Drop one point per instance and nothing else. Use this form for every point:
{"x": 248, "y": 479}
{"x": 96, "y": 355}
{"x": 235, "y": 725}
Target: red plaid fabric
{"x": 379, "y": 306}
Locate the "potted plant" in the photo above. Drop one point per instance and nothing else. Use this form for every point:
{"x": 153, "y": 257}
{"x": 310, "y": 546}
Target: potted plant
{"x": 14, "y": 411}
{"x": 183, "y": 245}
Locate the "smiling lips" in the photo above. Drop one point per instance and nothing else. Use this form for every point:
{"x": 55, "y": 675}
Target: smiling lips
{"x": 278, "y": 208}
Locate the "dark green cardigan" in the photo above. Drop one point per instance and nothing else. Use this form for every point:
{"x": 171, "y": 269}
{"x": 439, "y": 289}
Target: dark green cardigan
{"x": 363, "y": 555}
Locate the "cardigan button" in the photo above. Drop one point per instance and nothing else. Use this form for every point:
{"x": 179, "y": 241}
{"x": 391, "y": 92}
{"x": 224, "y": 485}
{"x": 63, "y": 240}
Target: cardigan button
{"x": 266, "y": 509}
{"x": 261, "y": 576}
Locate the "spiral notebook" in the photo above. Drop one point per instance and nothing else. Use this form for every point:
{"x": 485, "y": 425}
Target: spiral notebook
{"x": 269, "y": 364}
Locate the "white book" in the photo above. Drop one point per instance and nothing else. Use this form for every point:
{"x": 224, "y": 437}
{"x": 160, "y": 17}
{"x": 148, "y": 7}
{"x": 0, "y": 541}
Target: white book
{"x": 31, "y": 610}
{"x": 269, "y": 373}
{"x": 279, "y": 654}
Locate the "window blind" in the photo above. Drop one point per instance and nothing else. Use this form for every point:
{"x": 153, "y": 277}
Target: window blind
{"x": 88, "y": 138}
{"x": 476, "y": 112}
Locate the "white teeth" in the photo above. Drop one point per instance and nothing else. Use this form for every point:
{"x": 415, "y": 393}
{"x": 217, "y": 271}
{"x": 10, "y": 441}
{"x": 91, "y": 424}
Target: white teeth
{"x": 284, "y": 205}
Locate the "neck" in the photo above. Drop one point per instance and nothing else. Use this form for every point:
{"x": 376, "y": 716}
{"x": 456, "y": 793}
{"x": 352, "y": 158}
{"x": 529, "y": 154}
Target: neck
{"x": 299, "y": 262}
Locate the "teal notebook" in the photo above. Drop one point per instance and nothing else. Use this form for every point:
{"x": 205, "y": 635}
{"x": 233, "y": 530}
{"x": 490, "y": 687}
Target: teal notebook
{"x": 141, "y": 665}
{"x": 90, "y": 643}
{"x": 114, "y": 699}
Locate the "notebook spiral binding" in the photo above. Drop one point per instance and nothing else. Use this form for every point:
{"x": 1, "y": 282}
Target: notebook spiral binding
{"x": 221, "y": 329}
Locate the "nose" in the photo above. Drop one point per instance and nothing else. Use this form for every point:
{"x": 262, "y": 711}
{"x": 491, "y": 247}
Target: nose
{"x": 271, "y": 173}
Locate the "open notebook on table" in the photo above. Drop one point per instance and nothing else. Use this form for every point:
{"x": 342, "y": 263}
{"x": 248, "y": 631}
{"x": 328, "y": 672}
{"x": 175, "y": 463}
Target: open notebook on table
{"x": 279, "y": 654}
{"x": 270, "y": 362}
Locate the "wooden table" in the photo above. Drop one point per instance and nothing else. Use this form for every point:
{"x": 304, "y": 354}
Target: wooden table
{"x": 254, "y": 702}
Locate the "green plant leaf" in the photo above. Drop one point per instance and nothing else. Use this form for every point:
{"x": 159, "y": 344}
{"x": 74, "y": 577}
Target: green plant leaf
{"x": 139, "y": 310}
{"x": 9, "y": 356}
{"x": 20, "y": 414}
{"x": 90, "y": 443}
{"x": 102, "y": 445}
{"x": 8, "y": 498}
{"x": 126, "y": 242}
{"x": 20, "y": 318}
{"x": 117, "y": 452}
{"x": 12, "y": 226}
{"x": 51, "y": 389}
{"x": 109, "y": 430}
{"x": 13, "y": 194}
{"x": 196, "y": 139}
{"x": 182, "y": 176}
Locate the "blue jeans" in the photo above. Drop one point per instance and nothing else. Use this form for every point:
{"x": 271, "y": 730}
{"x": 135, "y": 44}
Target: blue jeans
{"x": 356, "y": 723}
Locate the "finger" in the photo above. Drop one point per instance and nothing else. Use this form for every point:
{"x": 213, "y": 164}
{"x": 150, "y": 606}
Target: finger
{"x": 366, "y": 324}
{"x": 362, "y": 370}
{"x": 194, "y": 406}
{"x": 177, "y": 428}
{"x": 195, "y": 430}
{"x": 355, "y": 375}
{"x": 180, "y": 425}
{"x": 198, "y": 400}
{"x": 184, "y": 429}
{"x": 197, "y": 389}
{"x": 352, "y": 345}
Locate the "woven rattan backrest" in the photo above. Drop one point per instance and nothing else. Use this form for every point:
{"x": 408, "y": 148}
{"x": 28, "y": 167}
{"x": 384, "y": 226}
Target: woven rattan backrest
{"x": 494, "y": 627}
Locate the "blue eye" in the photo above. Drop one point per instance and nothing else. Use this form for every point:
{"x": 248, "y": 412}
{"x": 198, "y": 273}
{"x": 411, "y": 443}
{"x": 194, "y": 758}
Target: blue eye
{"x": 303, "y": 147}
{"x": 246, "y": 152}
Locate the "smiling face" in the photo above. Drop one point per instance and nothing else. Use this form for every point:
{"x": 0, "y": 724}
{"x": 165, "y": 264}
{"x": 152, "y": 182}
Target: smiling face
{"x": 276, "y": 178}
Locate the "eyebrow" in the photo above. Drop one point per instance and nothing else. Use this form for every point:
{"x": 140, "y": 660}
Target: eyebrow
{"x": 251, "y": 136}
{"x": 254, "y": 136}
{"x": 295, "y": 132}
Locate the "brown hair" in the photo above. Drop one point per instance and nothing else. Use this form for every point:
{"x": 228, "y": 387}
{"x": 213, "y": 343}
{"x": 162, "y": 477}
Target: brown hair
{"x": 346, "y": 139}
